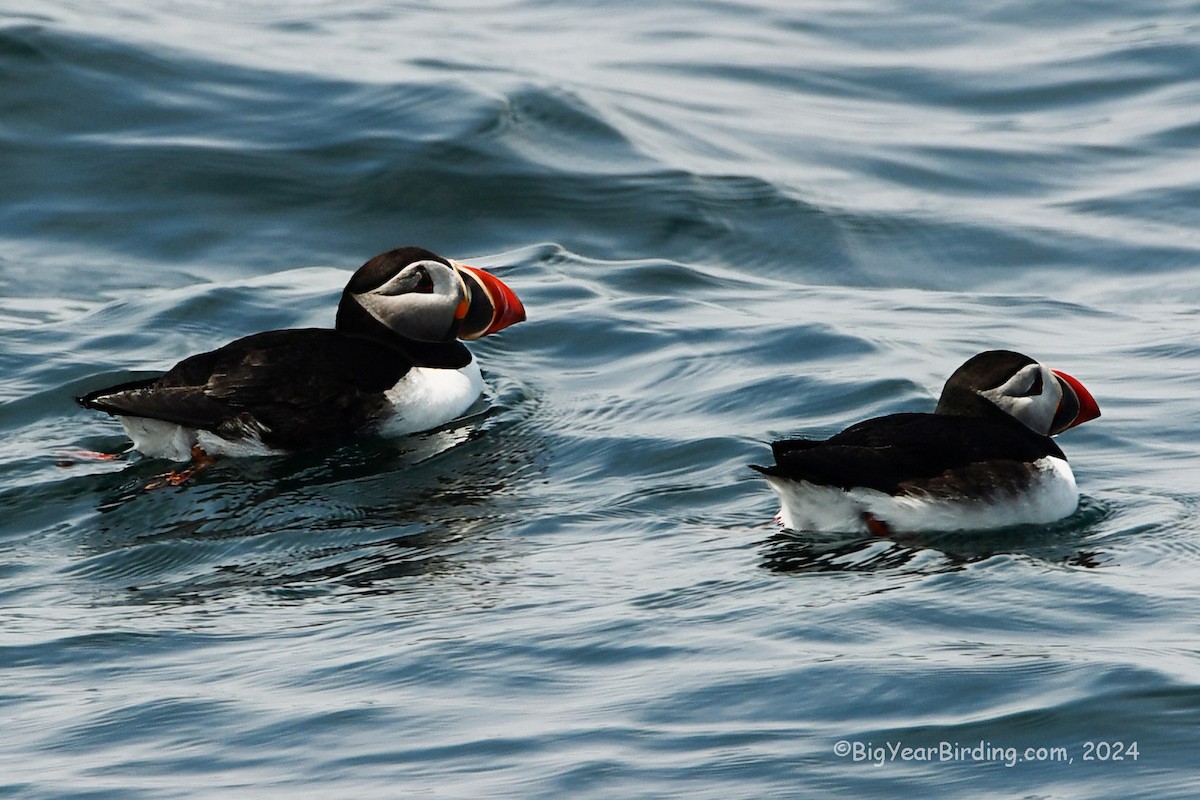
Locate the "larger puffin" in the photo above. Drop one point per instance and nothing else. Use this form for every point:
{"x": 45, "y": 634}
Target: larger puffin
{"x": 392, "y": 362}
{"x": 983, "y": 459}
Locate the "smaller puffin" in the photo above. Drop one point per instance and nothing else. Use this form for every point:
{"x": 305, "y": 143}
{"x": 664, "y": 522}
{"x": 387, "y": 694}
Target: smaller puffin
{"x": 983, "y": 459}
{"x": 392, "y": 363}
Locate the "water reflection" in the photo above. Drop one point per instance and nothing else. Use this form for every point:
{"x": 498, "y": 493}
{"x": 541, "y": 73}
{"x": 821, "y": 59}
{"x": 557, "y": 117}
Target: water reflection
{"x": 359, "y": 518}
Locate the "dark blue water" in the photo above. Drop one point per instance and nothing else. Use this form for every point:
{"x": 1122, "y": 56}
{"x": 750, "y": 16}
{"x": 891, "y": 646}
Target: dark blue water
{"x": 730, "y": 222}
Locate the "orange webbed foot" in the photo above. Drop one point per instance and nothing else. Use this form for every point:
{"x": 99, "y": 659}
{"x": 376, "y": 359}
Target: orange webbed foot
{"x": 876, "y": 526}
{"x": 200, "y": 461}
{"x": 70, "y": 457}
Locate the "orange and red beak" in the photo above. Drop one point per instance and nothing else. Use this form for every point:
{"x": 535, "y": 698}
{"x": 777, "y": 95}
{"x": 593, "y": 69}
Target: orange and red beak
{"x": 492, "y": 306}
{"x": 1076, "y": 407}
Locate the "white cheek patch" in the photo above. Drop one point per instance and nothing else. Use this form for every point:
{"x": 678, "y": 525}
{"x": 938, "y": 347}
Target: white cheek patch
{"x": 384, "y": 307}
{"x": 1019, "y": 384}
{"x": 1036, "y": 411}
{"x": 427, "y": 316}
{"x": 423, "y": 317}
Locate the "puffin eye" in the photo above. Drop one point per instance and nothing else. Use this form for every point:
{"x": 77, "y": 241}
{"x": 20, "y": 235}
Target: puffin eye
{"x": 424, "y": 281}
{"x": 1035, "y": 386}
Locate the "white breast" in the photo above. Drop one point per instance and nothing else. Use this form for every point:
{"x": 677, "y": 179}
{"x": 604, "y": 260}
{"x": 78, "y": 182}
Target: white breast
{"x": 426, "y": 398}
{"x": 1051, "y": 495}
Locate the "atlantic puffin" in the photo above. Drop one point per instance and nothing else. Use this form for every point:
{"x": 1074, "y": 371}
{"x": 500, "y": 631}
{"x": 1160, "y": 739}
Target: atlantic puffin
{"x": 983, "y": 459}
{"x": 393, "y": 362}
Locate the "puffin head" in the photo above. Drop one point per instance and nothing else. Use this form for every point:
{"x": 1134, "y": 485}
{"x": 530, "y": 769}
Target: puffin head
{"x": 1046, "y": 400}
{"x": 424, "y": 297}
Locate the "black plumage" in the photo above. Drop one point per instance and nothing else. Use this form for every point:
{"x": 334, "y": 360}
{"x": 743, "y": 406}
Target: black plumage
{"x": 904, "y": 452}
{"x": 265, "y": 385}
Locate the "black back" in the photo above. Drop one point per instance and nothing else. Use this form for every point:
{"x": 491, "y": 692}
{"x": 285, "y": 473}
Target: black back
{"x": 893, "y": 452}
{"x": 292, "y": 387}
